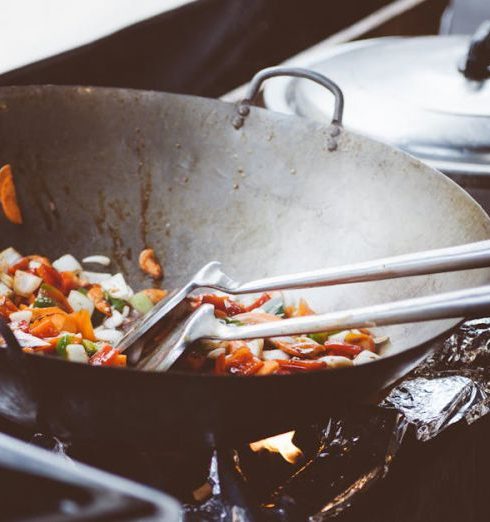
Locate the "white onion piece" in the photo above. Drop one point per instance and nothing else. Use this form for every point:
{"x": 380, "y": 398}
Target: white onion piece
{"x": 100, "y": 260}
{"x": 108, "y": 335}
{"x": 22, "y": 315}
{"x": 217, "y": 352}
{"x": 5, "y": 291}
{"x": 338, "y": 337}
{"x": 6, "y": 279}
{"x": 26, "y": 283}
{"x": 27, "y": 340}
{"x": 256, "y": 347}
{"x": 115, "y": 320}
{"x": 33, "y": 264}
{"x": 67, "y": 263}
{"x": 125, "y": 311}
{"x": 78, "y": 302}
{"x": 94, "y": 278}
{"x": 274, "y": 354}
{"x": 116, "y": 287}
{"x": 9, "y": 257}
{"x": 76, "y": 353}
{"x": 335, "y": 361}
{"x": 364, "y": 357}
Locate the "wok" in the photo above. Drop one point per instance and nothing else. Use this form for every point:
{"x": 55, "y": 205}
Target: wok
{"x": 110, "y": 171}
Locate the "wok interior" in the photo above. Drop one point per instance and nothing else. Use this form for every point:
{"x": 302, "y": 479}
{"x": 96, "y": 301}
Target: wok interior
{"x": 110, "y": 171}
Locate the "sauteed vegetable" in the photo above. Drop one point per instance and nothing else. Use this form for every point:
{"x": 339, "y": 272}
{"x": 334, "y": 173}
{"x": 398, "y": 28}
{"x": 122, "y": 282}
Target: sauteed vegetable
{"x": 61, "y": 309}
{"x": 278, "y": 355}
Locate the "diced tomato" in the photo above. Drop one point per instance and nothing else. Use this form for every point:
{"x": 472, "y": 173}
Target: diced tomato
{"x": 243, "y": 362}
{"x": 6, "y": 307}
{"x": 70, "y": 281}
{"x": 104, "y": 356}
{"x": 258, "y": 302}
{"x": 343, "y": 349}
{"x": 220, "y": 365}
{"x": 50, "y": 276}
{"x": 119, "y": 360}
{"x": 296, "y": 365}
{"x": 223, "y": 304}
{"x": 22, "y": 264}
{"x": 44, "y": 328}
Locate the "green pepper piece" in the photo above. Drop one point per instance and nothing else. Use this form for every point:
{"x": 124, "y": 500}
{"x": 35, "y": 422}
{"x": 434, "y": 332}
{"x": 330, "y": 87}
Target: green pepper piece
{"x": 90, "y": 347}
{"x": 43, "y": 301}
{"x": 82, "y": 290}
{"x": 322, "y": 337}
{"x": 62, "y": 344}
{"x": 117, "y": 303}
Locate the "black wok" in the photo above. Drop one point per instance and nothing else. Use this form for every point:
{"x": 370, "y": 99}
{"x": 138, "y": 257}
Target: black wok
{"x": 111, "y": 171}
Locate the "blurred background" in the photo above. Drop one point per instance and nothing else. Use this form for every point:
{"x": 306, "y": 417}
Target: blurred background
{"x": 205, "y": 47}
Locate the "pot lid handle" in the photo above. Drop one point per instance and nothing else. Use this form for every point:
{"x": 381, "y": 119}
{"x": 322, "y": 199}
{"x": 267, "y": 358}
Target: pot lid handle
{"x": 270, "y": 72}
{"x": 476, "y": 65}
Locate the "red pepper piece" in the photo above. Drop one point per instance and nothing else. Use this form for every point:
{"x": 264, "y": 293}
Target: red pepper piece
{"x": 343, "y": 349}
{"x": 295, "y": 365}
{"x": 50, "y": 275}
{"x": 243, "y": 362}
{"x": 104, "y": 356}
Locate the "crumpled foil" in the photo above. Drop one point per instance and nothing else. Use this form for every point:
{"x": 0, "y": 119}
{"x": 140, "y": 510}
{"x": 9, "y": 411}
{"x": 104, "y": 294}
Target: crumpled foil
{"x": 355, "y": 451}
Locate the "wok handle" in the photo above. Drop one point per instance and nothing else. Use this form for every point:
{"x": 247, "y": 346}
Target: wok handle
{"x": 471, "y": 302}
{"x": 461, "y": 257}
{"x": 297, "y": 72}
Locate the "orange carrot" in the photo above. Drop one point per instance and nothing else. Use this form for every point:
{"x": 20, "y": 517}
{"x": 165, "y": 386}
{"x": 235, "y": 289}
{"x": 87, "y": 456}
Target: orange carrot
{"x": 8, "y": 196}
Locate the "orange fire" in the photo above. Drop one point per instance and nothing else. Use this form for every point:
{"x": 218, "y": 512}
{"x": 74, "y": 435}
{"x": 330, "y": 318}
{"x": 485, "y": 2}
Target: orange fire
{"x": 282, "y": 444}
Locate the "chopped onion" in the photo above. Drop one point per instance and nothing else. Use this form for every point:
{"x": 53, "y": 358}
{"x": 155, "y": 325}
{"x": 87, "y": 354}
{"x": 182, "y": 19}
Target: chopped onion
{"x": 94, "y": 278}
{"x": 115, "y": 320}
{"x": 34, "y": 264}
{"x": 116, "y": 287}
{"x": 338, "y": 337}
{"x": 28, "y": 341}
{"x": 76, "y": 353}
{"x": 9, "y": 257}
{"x": 78, "y": 302}
{"x": 141, "y": 302}
{"x": 256, "y": 346}
{"x": 6, "y": 279}
{"x": 335, "y": 361}
{"x": 217, "y": 352}
{"x": 108, "y": 335}
{"x": 364, "y": 357}
{"x": 67, "y": 263}
{"x": 5, "y": 291}
{"x": 274, "y": 354}
{"x": 26, "y": 283}
{"x": 100, "y": 260}
{"x": 22, "y": 315}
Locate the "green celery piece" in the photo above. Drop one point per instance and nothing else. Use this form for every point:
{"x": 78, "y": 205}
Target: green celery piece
{"x": 90, "y": 347}
{"x": 62, "y": 344}
{"x": 141, "y": 302}
{"x": 322, "y": 337}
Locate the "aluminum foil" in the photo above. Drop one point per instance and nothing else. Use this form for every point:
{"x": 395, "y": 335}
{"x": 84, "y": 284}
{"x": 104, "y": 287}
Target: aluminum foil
{"x": 355, "y": 451}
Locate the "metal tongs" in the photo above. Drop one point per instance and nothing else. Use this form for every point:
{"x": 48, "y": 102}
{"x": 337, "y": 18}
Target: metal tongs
{"x": 203, "y": 324}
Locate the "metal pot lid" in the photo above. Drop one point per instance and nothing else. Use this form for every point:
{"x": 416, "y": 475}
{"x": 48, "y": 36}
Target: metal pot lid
{"x": 405, "y": 91}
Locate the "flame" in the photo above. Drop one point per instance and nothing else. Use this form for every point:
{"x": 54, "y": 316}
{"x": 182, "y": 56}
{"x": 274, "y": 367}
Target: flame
{"x": 282, "y": 444}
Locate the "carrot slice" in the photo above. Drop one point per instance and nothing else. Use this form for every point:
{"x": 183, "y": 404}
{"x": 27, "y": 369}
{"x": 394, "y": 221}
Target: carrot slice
{"x": 8, "y": 196}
